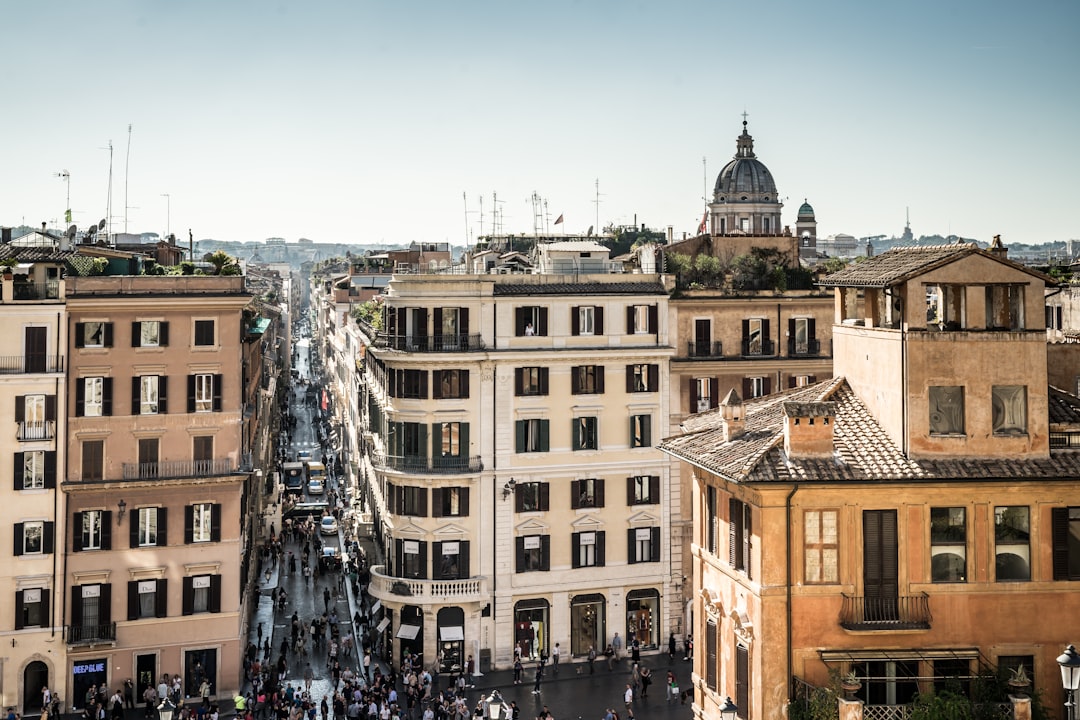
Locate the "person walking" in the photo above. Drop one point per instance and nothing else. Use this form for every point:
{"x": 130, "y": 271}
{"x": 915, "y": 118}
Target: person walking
{"x": 592, "y": 659}
{"x": 517, "y": 670}
{"x": 628, "y": 696}
{"x": 671, "y": 646}
{"x": 616, "y": 645}
{"x": 646, "y": 681}
{"x": 539, "y": 677}
{"x": 672, "y": 687}
{"x": 555, "y": 660}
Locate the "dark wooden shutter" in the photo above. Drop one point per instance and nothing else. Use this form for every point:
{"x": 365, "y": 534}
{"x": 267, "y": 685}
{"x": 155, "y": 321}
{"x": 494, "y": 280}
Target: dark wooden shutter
{"x": 630, "y": 494}
{"x": 463, "y": 559}
{"x": 436, "y": 506}
{"x": 136, "y": 341}
{"x": 133, "y": 600}
{"x": 189, "y": 524}
{"x": 575, "y": 320}
{"x": 188, "y": 596}
{"x": 734, "y": 532}
{"x": 423, "y": 502}
{"x": 521, "y": 316}
{"x": 742, "y": 682}
{"x": 545, "y": 435}
{"x": 1059, "y": 533}
{"x": 161, "y": 598}
{"x": 519, "y": 381}
{"x": 76, "y": 605}
{"x": 163, "y": 394}
{"x": 693, "y": 396}
{"x": 599, "y": 492}
{"x": 191, "y": 393}
{"x": 80, "y": 335}
{"x": 215, "y": 522}
{"x": 545, "y": 552}
{"x": 711, "y": 667}
{"x": 17, "y": 547}
{"x": 543, "y": 328}
{"x": 106, "y": 396}
{"x": 543, "y": 381}
{"x": 747, "y": 537}
{"x": 217, "y": 392}
{"x": 423, "y": 558}
{"x": 519, "y": 436}
{"x": 48, "y": 538}
{"x": 629, "y": 378}
{"x": 766, "y": 385}
{"x": 654, "y": 319}
{"x": 463, "y": 321}
{"x": 519, "y": 503}
{"x": 654, "y": 544}
{"x": 545, "y": 497}
{"x": 105, "y": 605}
{"x": 162, "y": 527}
{"x": 50, "y": 408}
{"x": 80, "y": 397}
{"x": 598, "y": 320}
{"x": 163, "y": 334}
{"x": 423, "y": 384}
{"x": 880, "y": 564}
{"x": 19, "y": 608}
{"x": 214, "y": 604}
{"x": 575, "y": 495}
{"x": 575, "y": 550}
{"x": 436, "y": 384}
{"x": 437, "y": 564}
{"x": 747, "y": 388}
{"x": 519, "y": 554}
{"x": 20, "y": 408}
{"x": 108, "y": 342}
{"x": 463, "y": 383}
{"x": 76, "y": 532}
{"x": 463, "y": 502}
{"x": 575, "y": 376}
{"x": 133, "y": 529}
{"x": 654, "y": 378}
{"x": 599, "y": 379}
{"x": 745, "y": 335}
{"x": 654, "y": 489}
{"x": 136, "y": 406}
{"x": 20, "y": 467}
{"x": 631, "y": 547}
{"x": 106, "y": 530}
{"x": 600, "y": 548}
{"x": 629, "y": 319}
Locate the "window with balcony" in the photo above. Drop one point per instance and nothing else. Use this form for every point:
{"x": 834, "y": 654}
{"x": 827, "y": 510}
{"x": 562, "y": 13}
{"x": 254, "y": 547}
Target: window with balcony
{"x": 148, "y": 457}
{"x": 451, "y": 560}
{"x": 530, "y": 320}
{"x": 93, "y": 397}
{"x": 585, "y": 436}
{"x": 94, "y": 334}
{"x": 149, "y": 333}
{"x": 451, "y": 384}
{"x": 450, "y": 502}
{"x": 148, "y": 527}
{"x": 35, "y": 470}
{"x": 147, "y": 599}
{"x": 93, "y": 460}
{"x": 1009, "y": 409}
{"x": 704, "y": 394}
{"x": 1012, "y": 543}
{"x": 36, "y": 416}
{"x": 412, "y": 559}
{"x": 587, "y": 320}
{"x": 201, "y": 594}
{"x": 452, "y": 443}
{"x": 587, "y": 549}
{"x": 801, "y": 336}
{"x": 701, "y": 345}
{"x": 739, "y": 534}
{"x": 202, "y": 523}
{"x": 204, "y": 333}
{"x": 1065, "y": 536}
{"x": 408, "y": 440}
{"x": 204, "y": 393}
{"x": 755, "y": 337}
{"x": 532, "y": 435}
{"x": 821, "y": 547}
{"x": 31, "y": 608}
{"x": 34, "y": 538}
{"x": 643, "y": 545}
{"x": 587, "y": 379}
{"x": 530, "y": 381}
{"x": 643, "y": 490}
{"x": 92, "y": 530}
{"x": 533, "y": 553}
{"x": 587, "y": 493}
{"x": 948, "y": 544}
{"x": 642, "y": 377}
{"x": 640, "y": 431}
{"x": 202, "y": 452}
{"x": 91, "y": 610}
{"x": 531, "y": 497}
{"x": 412, "y": 500}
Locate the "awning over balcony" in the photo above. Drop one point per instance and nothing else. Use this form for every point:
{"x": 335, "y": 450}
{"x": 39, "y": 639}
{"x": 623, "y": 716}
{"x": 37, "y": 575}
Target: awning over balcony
{"x": 453, "y": 632}
{"x": 408, "y": 632}
{"x": 870, "y": 655}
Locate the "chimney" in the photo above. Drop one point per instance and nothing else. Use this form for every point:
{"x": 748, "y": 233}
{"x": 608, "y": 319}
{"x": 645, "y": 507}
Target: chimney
{"x": 734, "y": 413}
{"x": 808, "y": 429}
{"x": 5, "y": 235}
{"x": 996, "y": 248}
{"x": 43, "y": 226}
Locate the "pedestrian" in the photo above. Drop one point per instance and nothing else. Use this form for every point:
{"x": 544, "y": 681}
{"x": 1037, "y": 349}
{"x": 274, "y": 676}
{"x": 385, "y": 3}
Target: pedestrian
{"x": 635, "y": 651}
{"x": 671, "y": 646}
{"x": 688, "y": 643}
{"x": 592, "y": 659}
{"x": 616, "y": 645}
{"x": 260, "y": 633}
{"x": 517, "y": 670}
{"x": 646, "y": 681}
{"x": 628, "y": 696}
{"x": 609, "y": 653}
{"x": 539, "y": 677}
{"x": 555, "y": 660}
{"x": 672, "y": 687}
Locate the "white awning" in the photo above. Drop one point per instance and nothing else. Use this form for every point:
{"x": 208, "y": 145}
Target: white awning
{"x": 454, "y": 632}
{"x": 408, "y": 632}
{"x": 376, "y": 607}
{"x": 382, "y": 625}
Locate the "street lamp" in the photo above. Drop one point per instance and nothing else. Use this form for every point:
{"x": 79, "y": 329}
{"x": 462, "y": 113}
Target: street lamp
{"x": 729, "y": 710}
{"x": 166, "y": 709}
{"x": 1070, "y": 678}
{"x": 495, "y": 706}
{"x": 168, "y": 214}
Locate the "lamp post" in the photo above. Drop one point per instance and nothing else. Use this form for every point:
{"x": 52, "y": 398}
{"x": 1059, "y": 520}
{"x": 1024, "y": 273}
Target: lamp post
{"x": 729, "y": 710}
{"x": 494, "y": 703}
{"x": 166, "y": 709}
{"x": 168, "y": 214}
{"x": 1070, "y": 678}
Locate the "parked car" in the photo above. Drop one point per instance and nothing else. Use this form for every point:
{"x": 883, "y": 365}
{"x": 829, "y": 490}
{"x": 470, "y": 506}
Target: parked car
{"x": 315, "y": 486}
{"x": 328, "y": 526}
{"x": 331, "y": 558}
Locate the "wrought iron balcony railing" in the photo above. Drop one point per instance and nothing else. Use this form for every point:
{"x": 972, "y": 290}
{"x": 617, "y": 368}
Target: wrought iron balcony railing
{"x": 36, "y": 291}
{"x": 177, "y": 469}
{"x": 37, "y": 430}
{"x": 807, "y": 348}
{"x": 903, "y": 612}
{"x": 433, "y": 466}
{"x": 431, "y": 343}
{"x": 88, "y": 634}
{"x": 764, "y": 347}
{"x": 29, "y": 364}
{"x": 704, "y": 349}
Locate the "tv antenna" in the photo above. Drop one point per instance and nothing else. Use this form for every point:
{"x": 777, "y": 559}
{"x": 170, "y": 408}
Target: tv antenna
{"x": 108, "y": 201}
{"x": 127, "y": 163}
{"x": 597, "y": 202}
{"x": 66, "y": 177}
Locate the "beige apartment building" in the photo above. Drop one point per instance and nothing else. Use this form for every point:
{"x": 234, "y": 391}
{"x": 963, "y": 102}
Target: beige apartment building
{"x": 154, "y": 482}
{"x": 511, "y": 428}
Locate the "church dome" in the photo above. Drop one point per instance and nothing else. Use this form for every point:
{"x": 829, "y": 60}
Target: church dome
{"x": 745, "y": 177}
{"x": 805, "y": 210}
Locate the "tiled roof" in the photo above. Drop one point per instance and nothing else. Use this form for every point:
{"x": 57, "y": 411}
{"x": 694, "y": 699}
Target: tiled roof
{"x": 35, "y": 254}
{"x": 627, "y": 288}
{"x": 896, "y": 264}
{"x": 1064, "y": 408}
{"x": 864, "y": 452}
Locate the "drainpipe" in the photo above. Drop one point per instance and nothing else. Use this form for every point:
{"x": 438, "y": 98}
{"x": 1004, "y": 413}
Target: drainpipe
{"x": 903, "y": 370}
{"x": 787, "y": 531}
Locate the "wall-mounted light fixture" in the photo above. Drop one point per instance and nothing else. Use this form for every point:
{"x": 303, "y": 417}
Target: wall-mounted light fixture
{"x": 509, "y": 488}
{"x": 122, "y": 508}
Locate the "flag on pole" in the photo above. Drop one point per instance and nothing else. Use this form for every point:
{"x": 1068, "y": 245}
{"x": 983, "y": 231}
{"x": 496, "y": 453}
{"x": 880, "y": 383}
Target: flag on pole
{"x": 704, "y": 223}
{"x": 559, "y": 220}
{"x": 67, "y": 215}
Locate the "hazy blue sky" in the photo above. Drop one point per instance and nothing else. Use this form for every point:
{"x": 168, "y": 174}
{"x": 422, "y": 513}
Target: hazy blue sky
{"x": 366, "y": 121}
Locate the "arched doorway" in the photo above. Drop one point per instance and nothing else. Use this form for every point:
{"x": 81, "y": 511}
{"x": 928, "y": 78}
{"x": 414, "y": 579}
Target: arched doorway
{"x": 588, "y": 614}
{"x": 35, "y": 679}
{"x": 410, "y": 632}
{"x": 451, "y": 622}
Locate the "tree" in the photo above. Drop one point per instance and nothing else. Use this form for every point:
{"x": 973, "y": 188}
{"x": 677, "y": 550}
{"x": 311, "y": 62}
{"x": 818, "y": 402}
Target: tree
{"x": 221, "y": 260}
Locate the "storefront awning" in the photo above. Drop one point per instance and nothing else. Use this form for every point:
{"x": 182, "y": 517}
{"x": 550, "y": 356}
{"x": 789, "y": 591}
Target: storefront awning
{"x": 408, "y": 632}
{"x": 870, "y": 655}
{"x": 376, "y": 607}
{"x": 382, "y": 625}
{"x": 453, "y": 632}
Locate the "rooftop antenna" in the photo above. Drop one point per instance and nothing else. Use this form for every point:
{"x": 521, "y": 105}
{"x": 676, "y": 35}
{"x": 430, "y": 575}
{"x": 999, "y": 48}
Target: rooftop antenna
{"x": 127, "y": 162}
{"x": 465, "y": 201}
{"x": 597, "y": 202}
{"x": 538, "y": 213}
{"x": 66, "y": 177}
{"x": 481, "y": 216}
{"x": 108, "y": 201}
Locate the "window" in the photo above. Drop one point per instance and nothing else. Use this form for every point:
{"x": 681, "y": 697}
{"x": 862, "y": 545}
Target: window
{"x": 533, "y": 553}
{"x": 148, "y": 528}
{"x": 587, "y": 320}
{"x": 643, "y": 545}
{"x": 202, "y": 523}
{"x": 641, "y": 319}
{"x": 530, "y": 321}
{"x": 149, "y": 333}
{"x": 31, "y": 608}
{"x": 1007, "y": 664}
{"x": 93, "y": 460}
{"x": 584, "y": 430}
{"x": 410, "y": 384}
{"x": 642, "y": 378}
{"x": 93, "y": 334}
{"x": 587, "y": 493}
{"x": 1012, "y": 536}
{"x": 451, "y": 560}
{"x": 801, "y": 340}
{"x": 146, "y": 599}
{"x": 452, "y": 440}
{"x": 412, "y": 559}
{"x": 33, "y": 538}
{"x": 739, "y": 533}
{"x": 588, "y": 549}
{"x": 704, "y": 394}
{"x": 451, "y": 384}
{"x": 1010, "y": 409}
{"x": 821, "y": 547}
{"x": 96, "y": 530}
{"x": 587, "y": 379}
{"x": 712, "y": 515}
{"x": 1065, "y": 532}
{"x": 531, "y": 497}
{"x": 643, "y": 490}
{"x": 531, "y": 435}
{"x": 36, "y": 415}
{"x": 1005, "y": 307}
{"x": 755, "y": 337}
{"x": 206, "y": 395}
{"x": 148, "y": 457}
{"x": 204, "y": 333}
{"x": 531, "y": 381}
{"x": 712, "y": 666}
{"x": 948, "y": 544}
{"x": 640, "y": 431}
{"x": 93, "y": 397}
{"x": 408, "y": 440}
{"x": 35, "y": 470}
{"x": 412, "y": 500}
{"x": 202, "y": 594}
{"x": 755, "y": 387}
{"x": 91, "y": 610}
{"x": 450, "y": 502}
{"x": 149, "y": 395}
{"x": 946, "y": 410}
{"x": 202, "y": 451}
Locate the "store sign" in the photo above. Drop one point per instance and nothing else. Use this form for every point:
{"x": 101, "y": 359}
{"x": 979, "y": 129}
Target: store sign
{"x": 643, "y": 534}
{"x": 93, "y": 666}
{"x": 587, "y": 539}
{"x": 411, "y": 547}
{"x": 31, "y": 596}
{"x": 532, "y": 542}
{"x": 200, "y": 581}
{"x": 91, "y": 591}
{"x": 147, "y": 586}
{"x": 450, "y": 548}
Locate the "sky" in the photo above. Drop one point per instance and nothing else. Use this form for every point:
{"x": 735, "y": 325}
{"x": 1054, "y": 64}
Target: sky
{"x": 372, "y": 121}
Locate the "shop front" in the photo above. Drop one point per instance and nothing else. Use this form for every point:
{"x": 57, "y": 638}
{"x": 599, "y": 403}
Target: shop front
{"x": 451, "y": 622}
{"x": 532, "y": 627}
{"x": 86, "y": 674}
{"x": 200, "y": 665}
{"x": 410, "y": 633}
{"x": 588, "y": 615}
{"x": 642, "y": 614}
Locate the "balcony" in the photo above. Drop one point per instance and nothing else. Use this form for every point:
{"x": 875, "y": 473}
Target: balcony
{"x": 29, "y": 364}
{"x": 704, "y": 349}
{"x": 177, "y": 469}
{"x": 903, "y": 612}
{"x": 754, "y": 347}
{"x": 385, "y": 587}
{"x": 37, "y": 430}
{"x": 806, "y": 348}
{"x": 36, "y": 291}
{"x": 428, "y": 466}
{"x": 91, "y": 634}
{"x": 430, "y": 343}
